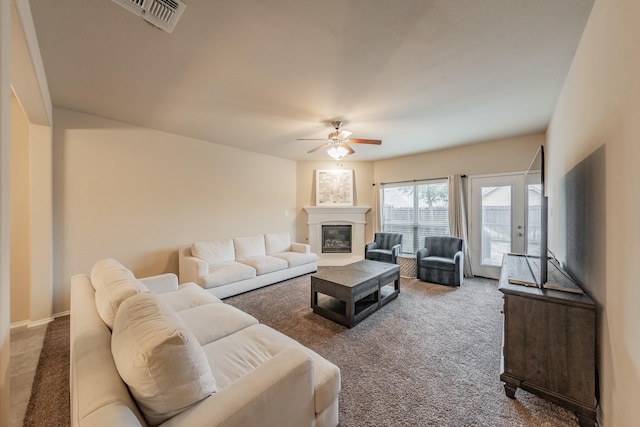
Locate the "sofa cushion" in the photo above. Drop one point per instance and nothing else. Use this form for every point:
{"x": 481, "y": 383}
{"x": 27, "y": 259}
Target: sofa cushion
{"x": 437, "y": 262}
{"x": 265, "y": 264}
{"x": 214, "y": 252}
{"x": 238, "y": 354}
{"x": 229, "y": 272}
{"x": 380, "y": 254}
{"x": 113, "y": 284}
{"x": 159, "y": 358}
{"x": 106, "y": 271}
{"x": 277, "y": 242}
{"x": 110, "y": 297}
{"x": 214, "y": 321}
{"x": 295, "y": 259}
{"x": 247, "y": 247}
{"x": 187, "y": 296}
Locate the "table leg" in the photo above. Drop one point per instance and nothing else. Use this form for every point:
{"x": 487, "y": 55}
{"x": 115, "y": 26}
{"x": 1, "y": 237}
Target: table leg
{"x": 350, "y": 311}
{"x": 314, "y": 296}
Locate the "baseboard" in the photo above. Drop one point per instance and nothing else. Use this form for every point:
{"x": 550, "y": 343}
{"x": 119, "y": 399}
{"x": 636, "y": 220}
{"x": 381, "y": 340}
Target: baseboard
{"x": 19, "y": 324}
{"x": 30, "y": 324}
{"x": 40, "y": 322}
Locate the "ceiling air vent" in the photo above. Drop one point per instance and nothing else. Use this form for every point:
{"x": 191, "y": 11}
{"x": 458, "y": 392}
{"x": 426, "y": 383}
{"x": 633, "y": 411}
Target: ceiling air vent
{"x": 163, "y": 14}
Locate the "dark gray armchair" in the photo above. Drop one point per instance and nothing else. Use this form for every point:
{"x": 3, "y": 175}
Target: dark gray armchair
{"x": 441, "y": 261}
{"x": 385, "y": 247}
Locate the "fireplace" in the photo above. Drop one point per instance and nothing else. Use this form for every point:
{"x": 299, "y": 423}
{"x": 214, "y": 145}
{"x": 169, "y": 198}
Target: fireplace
{"x": 336, "y": 239}
{"x": 352, "y": 216}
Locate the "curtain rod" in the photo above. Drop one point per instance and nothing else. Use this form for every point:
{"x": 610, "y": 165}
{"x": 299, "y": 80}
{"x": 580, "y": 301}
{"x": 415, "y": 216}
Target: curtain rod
{"x": 417, "y": 180}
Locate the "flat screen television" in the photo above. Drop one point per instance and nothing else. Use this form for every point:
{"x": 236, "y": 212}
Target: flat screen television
{"x": 536, "y": 219}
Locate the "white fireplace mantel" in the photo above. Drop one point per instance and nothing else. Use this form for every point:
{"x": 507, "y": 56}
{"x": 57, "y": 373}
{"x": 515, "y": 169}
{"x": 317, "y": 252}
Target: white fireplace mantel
{"x": 337, "y": 215}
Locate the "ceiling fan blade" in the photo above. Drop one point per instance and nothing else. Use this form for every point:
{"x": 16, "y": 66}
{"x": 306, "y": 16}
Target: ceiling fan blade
{"x": 319, "y": 147}
{"x": 365, "y": 141}
{"x": 347, "y": 147}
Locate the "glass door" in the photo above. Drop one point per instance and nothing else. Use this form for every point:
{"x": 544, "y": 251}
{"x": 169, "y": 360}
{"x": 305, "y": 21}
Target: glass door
{"x": 497, "y": 221}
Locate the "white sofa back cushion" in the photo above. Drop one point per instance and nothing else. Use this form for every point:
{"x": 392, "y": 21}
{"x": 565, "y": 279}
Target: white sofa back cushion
{"x": 113, "y": 283}
{"x": 110, "y": 297}
{"x": 106, "y": 271}
{"x": 215, "y": 251}
{"x": 247, "y": 247}
{"x": 277, "y": 242}
{"x": 159, "y": 358}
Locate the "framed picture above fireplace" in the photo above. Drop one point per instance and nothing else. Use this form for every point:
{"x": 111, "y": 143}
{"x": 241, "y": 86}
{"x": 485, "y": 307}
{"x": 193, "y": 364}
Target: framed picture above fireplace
{"x": 334, "y": 187}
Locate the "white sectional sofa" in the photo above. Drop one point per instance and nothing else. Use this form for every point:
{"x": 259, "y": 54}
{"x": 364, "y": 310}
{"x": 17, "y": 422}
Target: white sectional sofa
{"x": 151, "y": 352}
{"x": 227, "y": 267}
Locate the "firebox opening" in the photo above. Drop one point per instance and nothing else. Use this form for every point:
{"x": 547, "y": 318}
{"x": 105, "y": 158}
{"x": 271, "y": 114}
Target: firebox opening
{"x": 336, "y": 239}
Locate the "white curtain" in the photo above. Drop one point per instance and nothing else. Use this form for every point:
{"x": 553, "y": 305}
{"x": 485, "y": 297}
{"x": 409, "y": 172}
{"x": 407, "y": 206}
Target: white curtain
{"x": 458, "y": 217}
{"x": 377, "y": 218}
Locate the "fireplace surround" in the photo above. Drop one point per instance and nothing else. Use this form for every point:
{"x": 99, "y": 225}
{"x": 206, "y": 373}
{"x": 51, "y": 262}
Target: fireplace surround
{"x": 354, "y": 216}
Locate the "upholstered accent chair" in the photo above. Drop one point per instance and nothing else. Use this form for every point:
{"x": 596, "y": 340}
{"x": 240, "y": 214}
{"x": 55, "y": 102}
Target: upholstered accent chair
{"x": 441, "y": 261}
{"x": 385, "y": 247}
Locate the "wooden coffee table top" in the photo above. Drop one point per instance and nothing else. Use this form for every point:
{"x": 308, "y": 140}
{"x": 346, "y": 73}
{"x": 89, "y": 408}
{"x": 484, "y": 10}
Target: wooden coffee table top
{"x": 354, "y": 274}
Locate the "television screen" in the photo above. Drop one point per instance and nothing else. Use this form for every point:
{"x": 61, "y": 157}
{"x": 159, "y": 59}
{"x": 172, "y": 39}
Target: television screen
{"x": 536, "y": 219}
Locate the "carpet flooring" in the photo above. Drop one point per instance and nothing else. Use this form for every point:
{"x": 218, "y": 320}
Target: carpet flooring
{"x": 429, "y": 358}
{"x": 49, "y": 404}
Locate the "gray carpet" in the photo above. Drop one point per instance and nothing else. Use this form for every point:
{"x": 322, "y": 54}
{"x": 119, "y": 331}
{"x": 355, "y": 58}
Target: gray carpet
{"x": 49, "y": 403}
{"x": 429, "y": 358}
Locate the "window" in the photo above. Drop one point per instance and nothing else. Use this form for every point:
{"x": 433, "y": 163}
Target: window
{"x": 417, "y": 210}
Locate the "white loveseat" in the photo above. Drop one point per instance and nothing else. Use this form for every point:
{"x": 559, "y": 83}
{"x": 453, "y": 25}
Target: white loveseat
{"x": 150, "y": 352}
{"x": 227, "y": 267}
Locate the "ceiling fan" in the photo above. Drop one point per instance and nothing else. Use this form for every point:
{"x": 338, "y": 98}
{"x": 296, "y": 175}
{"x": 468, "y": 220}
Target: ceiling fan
{"x": 337, "y": 144}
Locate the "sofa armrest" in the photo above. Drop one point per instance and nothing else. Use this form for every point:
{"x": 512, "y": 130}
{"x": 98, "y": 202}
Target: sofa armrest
{"x": 458, "y": 259}
{"x": 161, "y": 283}
{"x": 300, "y": 247}
{"x": 422, "y": 253}
{"x": 192, "y": 269}
{"x": 395, "y": 252}
{"x": 368, "y": 247}
{"x": 98, "y": 396}
{"x": 277, "y": 393}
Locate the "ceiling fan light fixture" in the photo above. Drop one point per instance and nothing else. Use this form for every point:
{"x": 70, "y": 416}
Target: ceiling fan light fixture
{"x": 337, "y": 152}
{"x": 344, "y": 134}
{"x": 337, "y": 144}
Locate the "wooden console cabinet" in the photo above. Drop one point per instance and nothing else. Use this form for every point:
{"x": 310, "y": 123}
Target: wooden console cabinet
{"x": 549, "y": 339}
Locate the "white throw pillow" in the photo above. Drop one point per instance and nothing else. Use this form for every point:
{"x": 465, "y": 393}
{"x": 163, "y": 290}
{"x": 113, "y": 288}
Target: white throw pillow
{"x": 247, "y": 247}
{"x": 214, "y": 252}
{"x": 159, "y": 358}
{"x": 277, "y": 242}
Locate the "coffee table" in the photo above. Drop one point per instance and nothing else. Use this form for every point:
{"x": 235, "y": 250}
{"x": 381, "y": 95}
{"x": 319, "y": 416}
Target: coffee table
{"x": 347, "y": 294}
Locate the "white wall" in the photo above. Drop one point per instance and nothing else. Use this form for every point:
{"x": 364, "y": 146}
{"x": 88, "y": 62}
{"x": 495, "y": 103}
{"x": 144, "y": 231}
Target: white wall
{"x": 136, "y": 194}
{"x": 19, "y": 201}
{"x": 507, "y": 155}
{"x": 5, "y": 259}
{"x": 593, "y": 157}
{"x": 31, "y": 207}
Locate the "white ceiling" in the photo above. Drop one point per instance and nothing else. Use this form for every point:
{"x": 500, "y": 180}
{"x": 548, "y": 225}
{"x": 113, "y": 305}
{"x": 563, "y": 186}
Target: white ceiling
{"x": 256, "y": 74}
